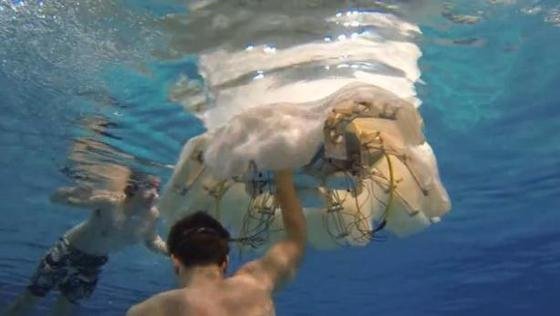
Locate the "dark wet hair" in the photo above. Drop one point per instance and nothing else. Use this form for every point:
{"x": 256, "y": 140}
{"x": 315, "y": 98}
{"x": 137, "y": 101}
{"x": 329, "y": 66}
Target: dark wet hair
{"x": 198, "y": 240}
{"x": 138, "y": 180}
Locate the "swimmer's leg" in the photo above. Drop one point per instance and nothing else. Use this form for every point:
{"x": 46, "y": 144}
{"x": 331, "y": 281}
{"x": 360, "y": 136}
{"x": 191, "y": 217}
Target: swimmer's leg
{"x": 80, "y": 283}
{"x": 23, "y": 304}
{"x": 51, "y": 270}
{"x": 62, "y": 307}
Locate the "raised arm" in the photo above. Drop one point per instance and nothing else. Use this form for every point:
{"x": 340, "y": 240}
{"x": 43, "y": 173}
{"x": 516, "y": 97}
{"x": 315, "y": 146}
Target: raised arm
{"x": 281, "y": 261}
{"x": 84, "y": 197}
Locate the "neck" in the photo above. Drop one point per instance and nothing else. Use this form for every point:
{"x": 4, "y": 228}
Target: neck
{"x": 200, "y": 276}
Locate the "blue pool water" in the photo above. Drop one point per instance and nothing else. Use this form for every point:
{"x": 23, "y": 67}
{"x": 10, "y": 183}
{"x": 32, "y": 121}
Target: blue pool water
{"x": 491, "y": 112}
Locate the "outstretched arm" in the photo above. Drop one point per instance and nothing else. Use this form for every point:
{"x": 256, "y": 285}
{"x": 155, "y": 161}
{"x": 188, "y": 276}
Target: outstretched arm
{"x": 84, "y": 197}
{"x": 157, "y": 245}
{"x": 281, "y": 261}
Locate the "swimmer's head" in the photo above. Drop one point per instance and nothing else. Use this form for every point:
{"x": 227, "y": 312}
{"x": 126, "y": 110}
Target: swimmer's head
{"x": 198, "y": 240}
{"x": 142, "y": 188}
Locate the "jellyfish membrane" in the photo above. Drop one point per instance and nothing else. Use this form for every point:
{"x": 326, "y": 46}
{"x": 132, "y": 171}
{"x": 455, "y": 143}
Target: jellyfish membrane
{"x": 361, "y": 160}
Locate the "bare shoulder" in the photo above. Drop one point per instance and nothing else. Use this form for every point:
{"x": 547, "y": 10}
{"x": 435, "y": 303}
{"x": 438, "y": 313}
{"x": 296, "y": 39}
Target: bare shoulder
{"x": 277, "y": 266}
{"x": 154, "y": 212}
{"x": 251, "y": 275}
{"x": 110, "y": 198}
{"x": 107, "y": 201}
{"x": 160, "y": 304}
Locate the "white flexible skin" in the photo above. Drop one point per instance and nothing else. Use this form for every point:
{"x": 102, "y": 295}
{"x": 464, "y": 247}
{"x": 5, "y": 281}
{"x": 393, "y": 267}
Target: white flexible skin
{"x": 401, "y": 186}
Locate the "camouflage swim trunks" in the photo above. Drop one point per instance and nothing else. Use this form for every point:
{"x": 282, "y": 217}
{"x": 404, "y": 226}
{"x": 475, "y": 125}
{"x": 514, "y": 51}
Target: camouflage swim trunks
{"x": 72, "y": 271}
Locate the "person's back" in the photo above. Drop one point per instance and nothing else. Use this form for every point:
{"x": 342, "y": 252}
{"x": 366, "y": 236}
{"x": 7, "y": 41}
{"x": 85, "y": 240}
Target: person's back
{"x": 198, "y": 245}
{"x": 232, "y": 296}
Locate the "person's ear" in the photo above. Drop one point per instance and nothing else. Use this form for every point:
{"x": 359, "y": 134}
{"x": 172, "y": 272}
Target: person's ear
{"x": 225, "y": 265}
{"x": 176, "y": 264}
